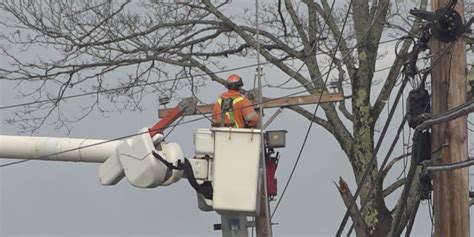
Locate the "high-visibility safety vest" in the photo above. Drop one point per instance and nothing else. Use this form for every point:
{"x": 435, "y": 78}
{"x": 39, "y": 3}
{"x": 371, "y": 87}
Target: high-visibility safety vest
{"x": 234, "y": 110}
{"x": 227, "y": 110}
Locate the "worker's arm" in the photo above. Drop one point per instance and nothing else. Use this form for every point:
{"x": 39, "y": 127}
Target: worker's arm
{"x": 216, "y": 115}
{"x": 249, "y": 113}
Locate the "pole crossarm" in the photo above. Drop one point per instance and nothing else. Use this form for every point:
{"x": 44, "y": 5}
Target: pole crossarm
{"x": 270, "y": 103}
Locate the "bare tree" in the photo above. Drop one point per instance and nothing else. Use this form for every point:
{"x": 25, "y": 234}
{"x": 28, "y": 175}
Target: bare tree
{"x": 86, "y": 44}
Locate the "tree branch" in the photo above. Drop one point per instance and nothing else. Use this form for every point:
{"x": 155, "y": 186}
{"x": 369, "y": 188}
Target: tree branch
{"x": 395, "y": 69}
{"x": 394, "y": 186}
{"x": 297, "y": 76}
{"x": 378, "y": 18}
{"x": 348, "y": 59}
{"x": 299, "y": 26}
{"x": 342, "y": 104}
{"x": 359, "y": 224}
{"x": 412, "y": 218}
{"x": 392, "y": 162}
{"x": 308, "y": 115}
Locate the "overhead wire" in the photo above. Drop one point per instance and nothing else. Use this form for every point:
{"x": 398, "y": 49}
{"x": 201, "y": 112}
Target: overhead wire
{"x": 315, "y": 111}
{"x": 260, "y": 123}
{"x": 172, "y": 129}
{"x": 195, "y": 96}
{"x": 349, "y": 52}
{"x": 126, "y": 87}
{"x": 109, "y": 90}
{"x": 55, "y": 100}
{"x": 104, "y": 92}
{"x": 13, "y": 163}
{"x": 379, "y": 142}
{"x": 423, "y": 79}
{"x": 431, "y": 211}
{"x": 183, "y": 123}
{"x": 374, "y": 158}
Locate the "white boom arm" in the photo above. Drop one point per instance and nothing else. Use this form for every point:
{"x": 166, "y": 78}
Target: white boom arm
{"x": 131, "y": 157}
{"x": 228, "y": 159}
{"x": 58, "y": 149}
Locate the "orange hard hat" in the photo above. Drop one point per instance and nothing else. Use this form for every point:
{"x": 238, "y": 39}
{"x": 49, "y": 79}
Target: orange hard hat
{"x": 234, "y": 81}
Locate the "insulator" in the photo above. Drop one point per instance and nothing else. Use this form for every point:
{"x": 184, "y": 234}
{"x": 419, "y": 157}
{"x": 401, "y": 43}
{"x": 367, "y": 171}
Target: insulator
{"x": 164, "y": 100}
{"x": 418, "y": 103}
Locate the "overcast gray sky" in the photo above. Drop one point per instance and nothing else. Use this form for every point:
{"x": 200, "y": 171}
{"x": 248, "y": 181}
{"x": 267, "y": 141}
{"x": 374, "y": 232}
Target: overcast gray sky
{"x": 41, "y": 198}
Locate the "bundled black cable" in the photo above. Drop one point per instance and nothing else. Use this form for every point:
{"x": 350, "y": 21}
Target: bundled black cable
{"x": 418, "y": 104}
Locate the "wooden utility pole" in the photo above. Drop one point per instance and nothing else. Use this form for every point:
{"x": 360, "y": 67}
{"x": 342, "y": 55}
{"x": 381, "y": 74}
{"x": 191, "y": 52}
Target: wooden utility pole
{"x": 451, "y": 190}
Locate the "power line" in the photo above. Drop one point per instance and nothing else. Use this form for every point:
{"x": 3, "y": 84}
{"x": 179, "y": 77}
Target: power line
{"x": 314, "y": 113}
{"x": 55, "y": 100}
{"x": 372, "y": 160}
{"x": 379, "y": 143}
{"x": 135, "y": 134}
{"x": 13, "y": 163}
{"x": 349, "y": 51}
{"x": 311, "y": 50}
{"x": 144, "y": 84}
{"x": 98, "y": 143}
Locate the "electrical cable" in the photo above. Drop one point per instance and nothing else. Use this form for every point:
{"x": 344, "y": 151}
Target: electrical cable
{"x": 439, "y": 118}
{"x": 382, "y": 166}
{"x": 195, "y": 96}
{"x": 314, "y": 115}
{"x": 403, "y": 143}
{"x": 349, "y": 51}
{"x": 144, "y": 84}
{"x": 55, "y": 100}
{"x": 164, "y": 81}
{"x": 109, "y": 90}
{"x": 430, "y": 211}
{"x": 135, "y": 134}
{"x": 294, "y": 167}
{"x": 98, "y": 143}
{"x": 126, "y": 87}
{"x": 313, "y": 47}
{"x": 260, "y": 123}
{"x": 13, "y": 163}
{"x": 374, "y": 157}
{"x": 176, "y": 125}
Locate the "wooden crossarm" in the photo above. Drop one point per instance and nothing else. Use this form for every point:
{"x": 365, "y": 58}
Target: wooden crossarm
{"x": 271, "y": 103}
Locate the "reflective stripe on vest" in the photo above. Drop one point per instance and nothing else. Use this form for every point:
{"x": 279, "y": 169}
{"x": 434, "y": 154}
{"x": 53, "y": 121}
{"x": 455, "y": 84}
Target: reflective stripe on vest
{"x": 249, "y": 116}
{"x": 228, "y": 115}
{"x": 236, "y": 100}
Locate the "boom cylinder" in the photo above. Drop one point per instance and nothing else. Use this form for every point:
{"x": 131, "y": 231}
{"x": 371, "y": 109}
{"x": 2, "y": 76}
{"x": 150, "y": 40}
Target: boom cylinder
{"x": 57, "y": 149}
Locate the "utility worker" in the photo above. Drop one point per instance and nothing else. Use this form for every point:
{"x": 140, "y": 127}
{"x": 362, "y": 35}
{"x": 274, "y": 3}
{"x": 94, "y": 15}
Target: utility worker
{"x": 233, "y": 109}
